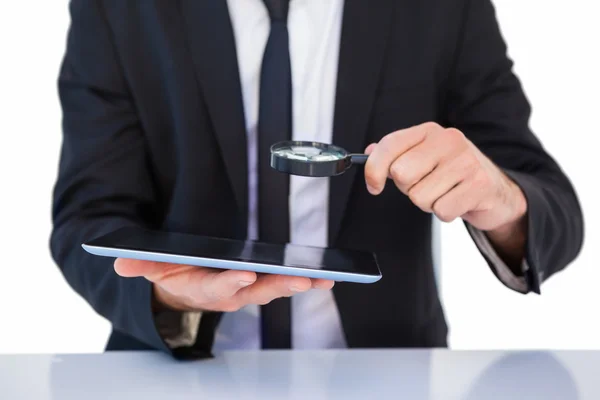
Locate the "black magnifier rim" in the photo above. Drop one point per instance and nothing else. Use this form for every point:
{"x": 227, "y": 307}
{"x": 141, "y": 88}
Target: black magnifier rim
{"x": 319, "y": 169}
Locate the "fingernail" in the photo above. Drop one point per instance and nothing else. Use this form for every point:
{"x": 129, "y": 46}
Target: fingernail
{"x": 371, "y": 189}
{"x": 296, "y": 289}
{"x": 245, "y": 283}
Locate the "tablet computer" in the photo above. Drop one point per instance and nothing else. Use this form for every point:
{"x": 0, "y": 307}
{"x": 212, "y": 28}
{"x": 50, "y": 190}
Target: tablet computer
{"x": 211, "y": 252}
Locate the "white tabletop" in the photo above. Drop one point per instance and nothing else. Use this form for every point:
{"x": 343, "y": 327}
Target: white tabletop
{"x": 356, "y": 374}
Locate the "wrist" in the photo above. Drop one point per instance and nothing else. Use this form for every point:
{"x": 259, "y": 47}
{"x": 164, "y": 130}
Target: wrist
{"x": 519, "y": 204}
{"x": 512, "y": 233}
{"x": 515, "y": 206}
{"x": 510, "y": 238}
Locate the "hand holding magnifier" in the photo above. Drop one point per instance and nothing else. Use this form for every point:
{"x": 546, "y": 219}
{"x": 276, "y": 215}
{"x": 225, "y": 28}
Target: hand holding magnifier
{"x": 312, "y": 158}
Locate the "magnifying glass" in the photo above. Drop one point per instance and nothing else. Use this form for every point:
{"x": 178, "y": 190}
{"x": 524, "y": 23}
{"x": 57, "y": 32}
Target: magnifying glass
{"x": 313, "y": 158}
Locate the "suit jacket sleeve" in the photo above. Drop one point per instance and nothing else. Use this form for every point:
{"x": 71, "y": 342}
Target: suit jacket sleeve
{"x": 486, "y": 102}
{"x": 104, "y": 181}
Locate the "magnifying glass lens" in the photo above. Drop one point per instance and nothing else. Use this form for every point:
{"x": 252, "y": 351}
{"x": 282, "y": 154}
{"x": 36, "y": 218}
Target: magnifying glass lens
{"x": 312, "y": 159}
{"x": 309, "y": 154}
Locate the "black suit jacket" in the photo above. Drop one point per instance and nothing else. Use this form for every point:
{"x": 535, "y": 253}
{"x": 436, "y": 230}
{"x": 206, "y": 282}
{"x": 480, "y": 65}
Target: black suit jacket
{"x": 154, "y": 136}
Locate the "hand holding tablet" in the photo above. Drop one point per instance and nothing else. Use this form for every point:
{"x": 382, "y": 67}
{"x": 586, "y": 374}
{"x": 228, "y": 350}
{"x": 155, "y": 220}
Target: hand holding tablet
{"x": 195, "y": 272}
{"x": 191, "y": 288}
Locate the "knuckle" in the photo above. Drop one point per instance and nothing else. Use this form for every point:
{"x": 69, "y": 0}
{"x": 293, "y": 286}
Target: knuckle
{"x": 445, "y": 218}
{"x": 413, "y": 195}
{"x": 403, "y": 175}
{"x": 230, "y": 307}
{"x": 454, "y": 135}
{"x": 303, "y": 284}
{"x": 398, "y": 172}
{"x": 443, "y": 213}
{"x": 418, "y": 200}
{"x": 431, "y": 126}
{"x": 263, "y": 302}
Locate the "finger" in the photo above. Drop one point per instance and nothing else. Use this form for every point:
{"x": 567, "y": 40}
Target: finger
{"x": 370, "y": 148}
{"x": 130, "y": 268}
{"x": 456, "y": 203}
{"x": 202, "y": 285}
{"x": 205, "y": 285}
{"x": 439, "y": 182}
{"x": 387, "y": 150}
{"x": 414, "y": 165}
{"x": 218, "y": 286}
{"x": 151, "y": 270}
{"x": 270, "y": 287}
{"x": 322, "y": 284}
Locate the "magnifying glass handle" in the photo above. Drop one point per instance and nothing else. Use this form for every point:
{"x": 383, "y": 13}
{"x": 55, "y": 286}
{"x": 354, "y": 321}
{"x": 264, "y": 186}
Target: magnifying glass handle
{"x": 358, "y": 158}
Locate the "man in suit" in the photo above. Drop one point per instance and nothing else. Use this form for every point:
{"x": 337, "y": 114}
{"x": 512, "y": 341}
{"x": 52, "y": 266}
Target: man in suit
{"x": 169, "y": 110}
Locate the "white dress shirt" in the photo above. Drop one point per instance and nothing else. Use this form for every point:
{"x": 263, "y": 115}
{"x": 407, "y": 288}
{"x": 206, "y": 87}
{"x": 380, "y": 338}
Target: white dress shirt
{"x": 314, "y": 31}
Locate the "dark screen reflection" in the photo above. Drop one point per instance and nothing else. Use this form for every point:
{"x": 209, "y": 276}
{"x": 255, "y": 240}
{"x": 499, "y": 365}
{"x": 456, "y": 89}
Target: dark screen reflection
{"x": 238, "y": 250}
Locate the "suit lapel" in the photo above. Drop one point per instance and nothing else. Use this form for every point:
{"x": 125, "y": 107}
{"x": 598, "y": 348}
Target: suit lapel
{"x": 213, "y": 49}
{"x": 366, "y": 27}
{"x": 365, "y": 30}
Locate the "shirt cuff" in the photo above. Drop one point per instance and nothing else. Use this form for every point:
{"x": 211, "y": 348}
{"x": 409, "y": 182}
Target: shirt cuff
{"x": 178, "y": 329}
{"x": 504, "y": 273}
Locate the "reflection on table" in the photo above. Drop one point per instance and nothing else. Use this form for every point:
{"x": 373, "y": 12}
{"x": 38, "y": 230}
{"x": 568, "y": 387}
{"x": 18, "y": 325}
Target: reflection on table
{"x": 355, "y": 374}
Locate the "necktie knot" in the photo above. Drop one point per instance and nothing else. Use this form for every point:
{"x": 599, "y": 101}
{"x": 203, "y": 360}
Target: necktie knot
{"x": 278, "y": 9}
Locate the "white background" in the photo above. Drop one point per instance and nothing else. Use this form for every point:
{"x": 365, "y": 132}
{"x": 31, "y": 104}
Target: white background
{"x": 555, "y": 47}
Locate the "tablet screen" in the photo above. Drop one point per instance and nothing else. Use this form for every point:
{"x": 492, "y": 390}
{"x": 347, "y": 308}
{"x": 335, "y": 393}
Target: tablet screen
{"x": 238, "y": 250}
